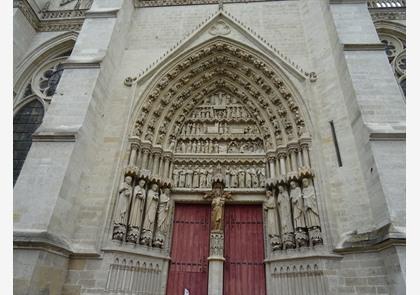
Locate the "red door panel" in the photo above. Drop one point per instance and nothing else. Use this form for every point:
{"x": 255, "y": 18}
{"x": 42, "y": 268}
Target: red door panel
{"x": 190, "y": 249}
{"x": 244, "y": 272}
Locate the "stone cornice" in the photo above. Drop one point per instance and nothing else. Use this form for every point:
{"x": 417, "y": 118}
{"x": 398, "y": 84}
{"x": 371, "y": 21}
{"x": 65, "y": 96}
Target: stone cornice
{"x": 55, "y": 136}
{"x": 41, "y": 240}
{"x": 348, "y": 1}
{"x": 372, "y": 241}
{"x": 364, "y": 47}
{"x": 154, "y": 3}
{"x": 49, "y": 21}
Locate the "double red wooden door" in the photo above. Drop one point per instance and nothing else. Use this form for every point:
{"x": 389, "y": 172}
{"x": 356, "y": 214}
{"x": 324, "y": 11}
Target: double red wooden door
{"x": 244, "y": 272}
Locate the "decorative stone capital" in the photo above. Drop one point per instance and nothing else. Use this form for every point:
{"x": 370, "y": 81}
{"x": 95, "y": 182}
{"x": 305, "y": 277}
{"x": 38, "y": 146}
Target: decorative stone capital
{"x": 134, "y": 140}
{"x": 157, "y": 150}
{"x": 293, "y": 147}
{"x": 305, "y": 141}
{"x": 271, "y": 156}
{"x": 282, "y": 152}
{"x": 168, "y": 155}
{"x": 146, "y": 147}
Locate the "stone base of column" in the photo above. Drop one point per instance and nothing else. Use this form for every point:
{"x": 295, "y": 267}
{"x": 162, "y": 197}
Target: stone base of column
{"x": 215, "y": 275}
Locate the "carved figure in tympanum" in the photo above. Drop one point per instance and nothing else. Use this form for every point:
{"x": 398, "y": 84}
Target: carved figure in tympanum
{"x": 233, "y": 178}
{"x": 196, "y": 178}
{"x": 203, "y": 178}
{"x": 241, "y": 178}
{"x": 188, "y": 177}
{"x": 261, "y": 177}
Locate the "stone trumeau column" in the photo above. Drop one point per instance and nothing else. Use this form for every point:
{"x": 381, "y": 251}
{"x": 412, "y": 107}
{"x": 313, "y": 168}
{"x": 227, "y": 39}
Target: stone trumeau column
{"x": 216, "y": 259}
{"x": 52, "y": 184}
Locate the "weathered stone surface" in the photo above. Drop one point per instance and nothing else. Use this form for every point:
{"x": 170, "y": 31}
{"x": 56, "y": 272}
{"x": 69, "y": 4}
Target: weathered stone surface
{"x": 182, "y": 97}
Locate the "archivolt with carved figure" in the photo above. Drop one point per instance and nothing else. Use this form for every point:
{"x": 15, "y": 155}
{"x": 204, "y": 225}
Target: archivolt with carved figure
{"x": 221, "y": 107}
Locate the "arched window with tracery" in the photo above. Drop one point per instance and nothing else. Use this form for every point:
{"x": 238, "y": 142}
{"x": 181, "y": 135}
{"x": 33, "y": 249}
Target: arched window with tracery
{"x": 34, "y": 90}
{"x": 395, "y": 50}
{"x": 25, "y": 122}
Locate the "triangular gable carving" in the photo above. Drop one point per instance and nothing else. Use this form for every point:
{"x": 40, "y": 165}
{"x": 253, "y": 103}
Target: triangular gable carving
{"x": 223, "y": 24}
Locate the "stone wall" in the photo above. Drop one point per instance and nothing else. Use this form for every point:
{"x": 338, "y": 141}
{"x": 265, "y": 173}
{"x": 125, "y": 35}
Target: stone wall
{"x": 93, "y": 108}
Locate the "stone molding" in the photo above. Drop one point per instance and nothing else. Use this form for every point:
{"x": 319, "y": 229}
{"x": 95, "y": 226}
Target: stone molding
{"x": 55, "y": 136}
{"x": 348, "y": 2}
{"x": 81, "y": 65}
{"x": 375, "y": 240}
{"x": 364, "y": 47}
{"x": 52, "y": 21}
{"x": 154, "y": 3}
{"x": 42, "y": 240}
{"x": 377, "y": 136}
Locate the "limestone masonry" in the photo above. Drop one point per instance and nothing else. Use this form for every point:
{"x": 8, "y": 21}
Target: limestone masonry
{"x": 209, "y": 147}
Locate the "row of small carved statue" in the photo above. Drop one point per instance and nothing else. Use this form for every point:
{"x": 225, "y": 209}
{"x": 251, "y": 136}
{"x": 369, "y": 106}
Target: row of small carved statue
{"x": 293, "y": 217}
{"x": 210, "y": 147}
{"x": 218, "y": 128}
{"x": 231, "y": 112}
{"x": 241, "y": 177}
{"x": 142, "y": 218}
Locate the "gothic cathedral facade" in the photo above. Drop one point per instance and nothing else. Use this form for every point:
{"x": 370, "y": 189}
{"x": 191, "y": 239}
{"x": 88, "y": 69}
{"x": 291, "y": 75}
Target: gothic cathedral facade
{"x": 209, "y": 147}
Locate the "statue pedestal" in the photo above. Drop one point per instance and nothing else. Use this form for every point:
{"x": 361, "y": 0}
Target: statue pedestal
{"x": 216, "y": 261}
{"x": 215, "y": 275}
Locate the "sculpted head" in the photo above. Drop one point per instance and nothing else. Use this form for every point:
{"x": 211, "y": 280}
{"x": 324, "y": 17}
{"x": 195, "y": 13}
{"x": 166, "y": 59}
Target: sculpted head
{"x": 281, "y": 189}
{"x": 155, "y": 187}
{"x": 142, "y": 182}
{"x": 167, "y": 191}
{"x": 293, "y": 184}
{"x": 269, "y": 194}
{"x": 128, "y": 179}
{"x": 305, "y": 182}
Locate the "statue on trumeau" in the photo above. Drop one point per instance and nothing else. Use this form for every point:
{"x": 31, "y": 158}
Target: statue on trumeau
{"x": 218, "y": 198}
